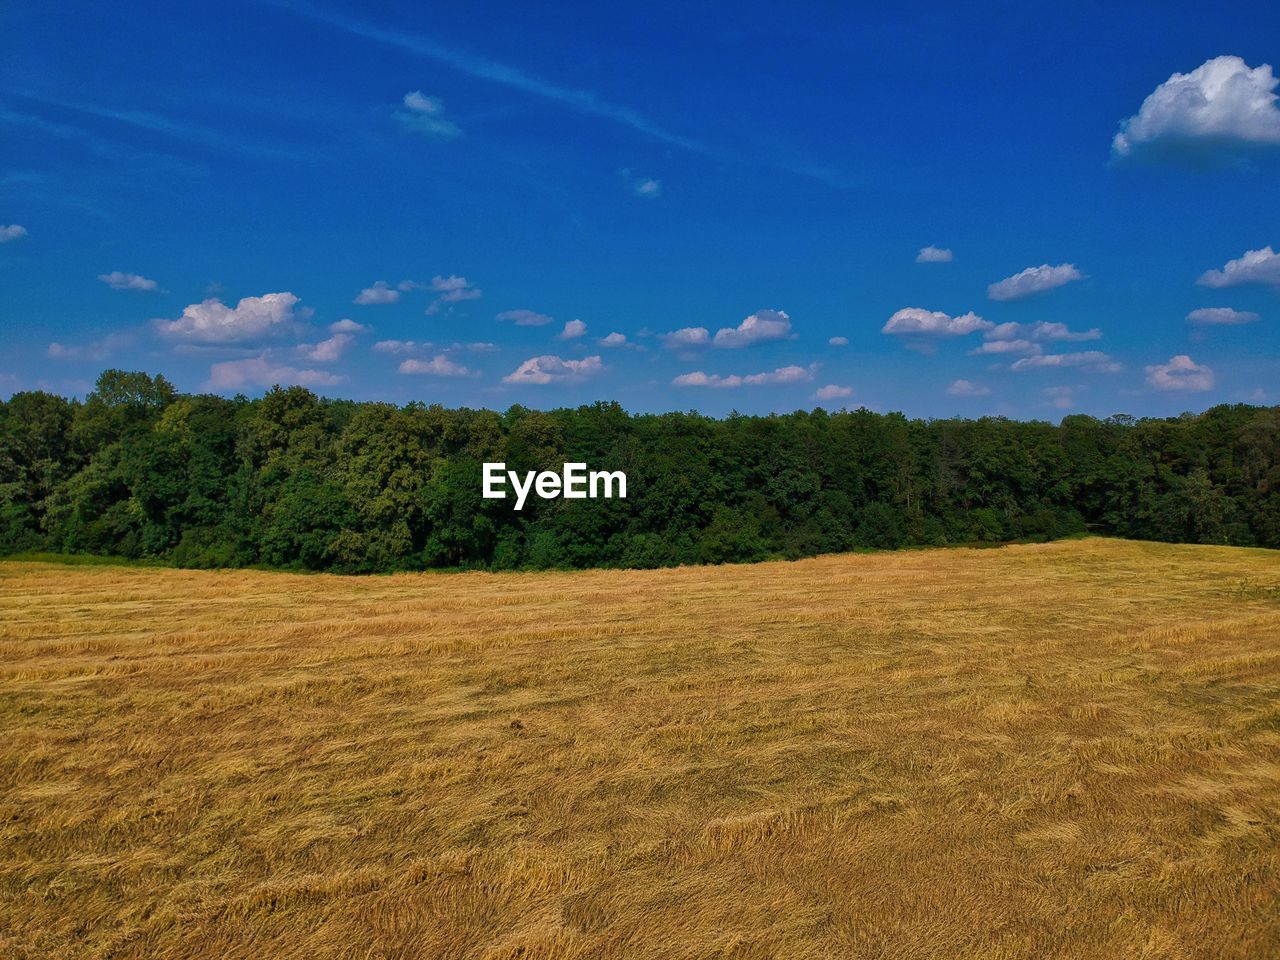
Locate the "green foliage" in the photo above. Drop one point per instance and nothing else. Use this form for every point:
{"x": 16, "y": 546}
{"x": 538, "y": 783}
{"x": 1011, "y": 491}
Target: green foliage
{"x": 291, "y": 480}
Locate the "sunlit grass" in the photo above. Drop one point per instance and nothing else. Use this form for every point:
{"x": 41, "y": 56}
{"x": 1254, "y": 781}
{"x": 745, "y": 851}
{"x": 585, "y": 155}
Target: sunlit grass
{"x": 1067, "y": 750}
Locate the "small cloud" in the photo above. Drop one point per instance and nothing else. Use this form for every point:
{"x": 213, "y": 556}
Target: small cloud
{"x": 782, "y": 375}
{"x": 531, "y": 318}
{"x": 934, "y": 255}
{"x": 381, "y": 292}
{"x": 326, "y": 351}
{"x": 1006, "y": 346}
{"x": 449, "y": 290}
{"x": 438, "y": 366}
{"x": 476, "y": 346}
{"x": 614, "y": 340}
{"x": 572, "y": 330}
{"x": 1061, "y": 397}
{"x": 1220, "y": 317}
{"x": 833, "y": 391}
{"x": 127, "y": 281}
{"x": 1256, "y": 266}
{"x": 1033, "y": 280}
{"x": 761, "y": 327}
{"x": 967, "y": 388}
{"x": 400, "y": 346}
{"x": 13, "y": 231}
{"x": 645, "y": 187}
{"x": 262, "y": 372}
{"x": 212, "y": 321}
{"x": 839, "y": 341}
{"x": 1040, "y": 331}
{"x": 347, "y": 326}
{"x": 686, "y": 337}
{"x": 423, "y": 114}
{"x": 552, "y": 369}
{"x": 1094, "y": 360}
{"x": 1180, "y": 373}
{"x": 1223, "y": 109}
{"x": 915, "y": 321}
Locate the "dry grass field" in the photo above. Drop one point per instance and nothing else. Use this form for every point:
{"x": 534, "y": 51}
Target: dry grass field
{"x": 1068, "y": 750}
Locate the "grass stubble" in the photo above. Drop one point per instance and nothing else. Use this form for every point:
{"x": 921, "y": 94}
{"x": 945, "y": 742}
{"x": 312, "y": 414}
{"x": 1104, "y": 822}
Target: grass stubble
{"x": 1064, "y": 750}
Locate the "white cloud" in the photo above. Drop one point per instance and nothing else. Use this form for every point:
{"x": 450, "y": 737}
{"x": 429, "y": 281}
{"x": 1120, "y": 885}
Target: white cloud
{"x": 833, "y": 391}
{"x": 347, "y": 326}
{"x": 13, "y": 231}
{"x": 127, "y": 281}
{"x": 1256, "y": 266}
{"x": 262, "y": 372}
{"x": 1061, "y": 397}
{"x": 1221, "y": 106}
{"x": 212, "y": 321}
{"x": 760, "y": 327}
{"x": 97, "y": 350}
{"x": 613, "y": 340}
{"x": 326, "y": 351}
{"x": 438, "y": 366}
{"x": 1094, "y": 360}
{"x": 915, "y": 321}
{"x": 399, "y": 346}
{"x": 686, "y": 337}
{"x": 839, "y": 341}
{"x": 423, "y": 114}
{"x": 934, "y": 255}
{"x": 782, "y": 375}
{"x": 1060, "y": 331}
{"x": 1220, "y": 317}
{"x": 1180, "y": 373}
{"x": 552, "y": 369}
{"x": 647, "y": 188}
{"x": 1027, "y": 337}
{"x": 1033, "y": 280}
{"x": 381, "y": 292}
{"x": 529, "y": 318}
{"x": 967, "y": 388}
{"x": 1007, "y": 346}
{"x": 572, "y": 330}
{"x": 452, "y": 289}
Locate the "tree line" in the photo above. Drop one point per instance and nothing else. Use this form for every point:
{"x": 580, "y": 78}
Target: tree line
{"x": 293, "y": 480}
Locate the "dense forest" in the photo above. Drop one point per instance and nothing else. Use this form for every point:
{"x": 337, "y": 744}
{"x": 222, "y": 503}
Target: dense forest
{"x": 292, "y": 480}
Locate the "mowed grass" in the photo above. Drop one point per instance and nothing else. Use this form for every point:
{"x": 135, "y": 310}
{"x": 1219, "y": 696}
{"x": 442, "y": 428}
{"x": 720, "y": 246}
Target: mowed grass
{"x": 1067, "y": 750}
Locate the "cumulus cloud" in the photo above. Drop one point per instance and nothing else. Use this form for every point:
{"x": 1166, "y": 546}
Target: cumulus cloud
{"x": 381, "y": 292}
{"x": 1256, "y": 266}
{"x": 528, "y": 318}
{"x": 760, "y": 327}
{"x": 1039, "y": 332}
{"x": 451, "y": 289}
{"x": 1220, "y": 317}
{"x": 1033, "y": 280}
{"x": 423, "y": 114}
{"x": 1222, "y": 108}
{"x": 438, "y": 366}
{"x": 572, "y": 330}
{"x": 967, "y": 388}
{"x": 782, "y": 375}
{"x": 1007, "y": 346}
{"x": 934, "y": 255}
{"x": 347, "y": 326}
{"x": 686, "y": 337}
{"x": 212, "y": 321}
{"x": 1061, "y": 397}
{"x": 13, "y": 231}
{"x": 1094, "y": 360}
{"x": 916, "y": 321}
{"x": 326, "y": 351}
{"x": 263, "y": 372}
{"x": 127, "y": 281}
{"x": 552, "y": 369}
{"x": 839, "y": 341}
{"x": 613, "y": 340}
{"x": 1180, "y": 373}
{"x": 833, "y": 391}
{"x": 399, "y": 346}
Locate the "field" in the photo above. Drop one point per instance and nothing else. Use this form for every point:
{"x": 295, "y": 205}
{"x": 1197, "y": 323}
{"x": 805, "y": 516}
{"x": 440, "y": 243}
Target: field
{"x": 1067, "y": 750}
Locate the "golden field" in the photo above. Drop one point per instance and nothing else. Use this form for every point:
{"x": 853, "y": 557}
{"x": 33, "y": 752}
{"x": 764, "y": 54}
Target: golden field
{"x": 1066, "y": 750}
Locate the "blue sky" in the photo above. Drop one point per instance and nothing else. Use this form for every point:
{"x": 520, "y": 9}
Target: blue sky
{"x": 407, "y": 202}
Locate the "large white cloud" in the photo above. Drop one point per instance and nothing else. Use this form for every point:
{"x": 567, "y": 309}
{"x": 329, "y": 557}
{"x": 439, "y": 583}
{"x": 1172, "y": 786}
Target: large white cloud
{"x": 553, "y": 369}
{"x": 438, "y": 366}
{"x": 263, "y": 372}
{"x": 127, "y": 281}
{"x": 1220, "y": 317}
{"x": 1180, "y": 373}
{"x": 782, "y": 375}
{"x": 13, "y": 231}
{"x": 1256, "y": 266}
{"x": 1033, "y": 280}
{"x": 1094, "y": 360}
{"x": 1221, "y": 106}
{"x": 423, "y": 114}
{"x": 760, "y": 327}
{"x": 212, "y": 321}
{"x": 916, "y": 321}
